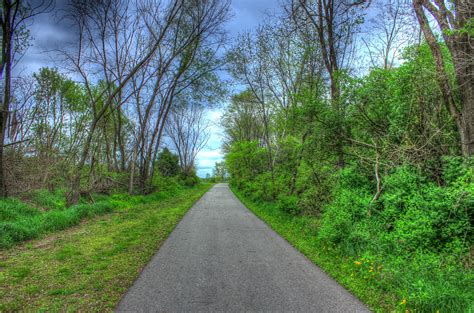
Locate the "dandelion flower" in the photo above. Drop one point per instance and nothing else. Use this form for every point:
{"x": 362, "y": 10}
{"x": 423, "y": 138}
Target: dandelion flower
{"x": 357, "y": 263}
{"x": 404, "y": 301}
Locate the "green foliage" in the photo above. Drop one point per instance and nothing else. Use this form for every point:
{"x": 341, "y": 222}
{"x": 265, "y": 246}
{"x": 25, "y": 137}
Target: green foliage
{"x": 12, "y": 209}
{"x": 289, "y": 204}
{"x": 190, "y": 179}
{"x": 246, "y": 161}
{"x": 419, "y": 230}
{"x": 167, "y": 184}
{"x": 168, "y": 163}
{"x": 400, "y": 197}
{"x": 20, "y": 222}
{"x": 219, "y": 173}
{"x": 49, "y": 200}
{"x": 352, "y": 247}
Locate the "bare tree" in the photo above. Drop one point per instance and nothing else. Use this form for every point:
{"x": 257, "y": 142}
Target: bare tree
{"x": 186, "y": 58}
{"x": 188, "y": 129}
{"x": 454, "y": 19}
{"x": 391, "y": 30}
{"x": 13, "y": 16}
{"x": 92, "y": 21}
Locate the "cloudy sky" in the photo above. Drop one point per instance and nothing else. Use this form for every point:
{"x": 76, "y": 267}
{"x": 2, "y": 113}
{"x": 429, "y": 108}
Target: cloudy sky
{"x": 48, "y": 30}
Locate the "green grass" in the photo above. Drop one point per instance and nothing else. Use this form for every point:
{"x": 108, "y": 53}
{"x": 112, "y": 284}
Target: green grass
{"x": 89, "y": 267}
{"x": 20, "y": 221}
{"x": 300, "y": 232}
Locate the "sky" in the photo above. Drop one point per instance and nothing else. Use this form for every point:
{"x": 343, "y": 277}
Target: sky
{"x": 48, "y": 30}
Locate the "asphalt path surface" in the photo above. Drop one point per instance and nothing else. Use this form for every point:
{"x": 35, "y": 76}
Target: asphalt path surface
{"x": 222, "y": 258}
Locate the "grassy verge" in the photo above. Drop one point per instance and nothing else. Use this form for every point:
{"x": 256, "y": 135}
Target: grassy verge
{"x": 88, "y": 267}
{"x": 301, "y": 232}
{"x": 20, "y": 221}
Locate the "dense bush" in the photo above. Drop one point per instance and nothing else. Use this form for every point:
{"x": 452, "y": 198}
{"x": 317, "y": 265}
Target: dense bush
{"x": 413, "y": 243}
{"x": 168, "y": 163}
{"x": 420, "y": 232}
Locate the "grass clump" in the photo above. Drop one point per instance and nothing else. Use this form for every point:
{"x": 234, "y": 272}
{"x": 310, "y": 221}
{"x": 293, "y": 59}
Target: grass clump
{"x": 20, "y": 222}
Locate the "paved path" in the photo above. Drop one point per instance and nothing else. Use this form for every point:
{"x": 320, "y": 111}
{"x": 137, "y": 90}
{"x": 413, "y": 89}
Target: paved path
{"x": 222, "y": 258}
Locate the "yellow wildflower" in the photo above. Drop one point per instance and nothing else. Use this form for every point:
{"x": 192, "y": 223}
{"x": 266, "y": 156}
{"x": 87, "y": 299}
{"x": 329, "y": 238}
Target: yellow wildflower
{"x": 404, "y": 301}
{"x": 357, "y": 263}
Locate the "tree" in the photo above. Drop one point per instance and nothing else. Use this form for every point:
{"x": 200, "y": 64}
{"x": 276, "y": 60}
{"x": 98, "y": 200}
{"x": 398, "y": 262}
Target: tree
{"x": 93, "y": 20}
{"x": 335, "y": 23}
{"x": 14, "y": 14}
{"x": 455, "y": 20}
{"x": 241, "y": 120}
{"x": 168, "y": 163}
{"x": 179, "y": 31}
{"x": 391, "y": 31}
{"x": 187, "y": 60}
{"x": 219, "y": 172}
{"x": 188, "y": 130}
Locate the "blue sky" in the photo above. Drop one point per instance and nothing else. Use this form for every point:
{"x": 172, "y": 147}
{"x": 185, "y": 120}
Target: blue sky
{"x": 47, "y": 31}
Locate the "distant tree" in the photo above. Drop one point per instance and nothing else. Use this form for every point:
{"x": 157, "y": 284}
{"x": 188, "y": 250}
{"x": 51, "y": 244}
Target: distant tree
{"x": 189, "y": 131}
{"x": 219, "y": 173}
{"x": 168, "y": 163}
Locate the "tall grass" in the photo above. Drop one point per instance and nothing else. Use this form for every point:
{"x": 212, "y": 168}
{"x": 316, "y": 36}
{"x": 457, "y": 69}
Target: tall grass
{"x": 20, "y": 222}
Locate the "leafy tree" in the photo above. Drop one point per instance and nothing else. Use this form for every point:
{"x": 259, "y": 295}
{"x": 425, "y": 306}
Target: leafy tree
{"x": 168, "y": 163}
{"x": 219, "y": 173}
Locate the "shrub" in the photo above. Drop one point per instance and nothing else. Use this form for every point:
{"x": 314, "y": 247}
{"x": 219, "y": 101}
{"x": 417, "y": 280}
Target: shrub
{"x": 168, "y": 163}
{"x": 167, "y": 183}
{"x": 190, "y": 179}
{"x": 350, "y": 206}
{"x": 289, "y": 204}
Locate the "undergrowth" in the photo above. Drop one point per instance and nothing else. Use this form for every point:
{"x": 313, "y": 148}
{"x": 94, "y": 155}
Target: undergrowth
{"x": 409, "y": 250}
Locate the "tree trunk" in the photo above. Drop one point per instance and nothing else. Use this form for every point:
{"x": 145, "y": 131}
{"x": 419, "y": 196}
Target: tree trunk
{"x": 132, "y": 170}
{"x": 5, "y": 68}
{"x": 461, "y": 48}
{"x": 467, "y": 122}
